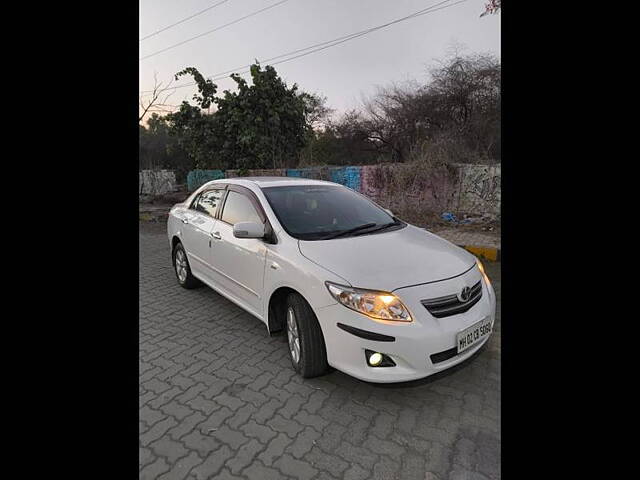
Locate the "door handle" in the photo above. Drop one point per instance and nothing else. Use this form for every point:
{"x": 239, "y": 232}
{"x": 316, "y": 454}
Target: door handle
{"x": 184, "y": 220}
{"x": 216, "y": 235}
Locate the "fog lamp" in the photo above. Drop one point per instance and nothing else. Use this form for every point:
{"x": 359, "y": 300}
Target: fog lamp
{"x": 377, "y": 359}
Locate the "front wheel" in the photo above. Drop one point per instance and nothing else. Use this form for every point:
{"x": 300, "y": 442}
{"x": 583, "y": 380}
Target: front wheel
{"x": 306, "y": 342}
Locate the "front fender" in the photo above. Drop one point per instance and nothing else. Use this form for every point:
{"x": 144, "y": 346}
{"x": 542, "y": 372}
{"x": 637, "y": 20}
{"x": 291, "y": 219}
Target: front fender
{"x": 287, "y": 267}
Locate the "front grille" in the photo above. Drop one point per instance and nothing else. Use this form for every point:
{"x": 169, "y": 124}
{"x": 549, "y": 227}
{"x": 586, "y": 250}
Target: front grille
{"x": 450, "y": 305}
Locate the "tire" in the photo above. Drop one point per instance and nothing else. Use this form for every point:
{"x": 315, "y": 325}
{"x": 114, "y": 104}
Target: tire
{"x": 185, "y": 277}
{"x": 311, "y": 355}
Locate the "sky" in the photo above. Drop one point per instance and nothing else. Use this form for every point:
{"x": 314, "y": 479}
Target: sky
{"x": 345, "y": 74}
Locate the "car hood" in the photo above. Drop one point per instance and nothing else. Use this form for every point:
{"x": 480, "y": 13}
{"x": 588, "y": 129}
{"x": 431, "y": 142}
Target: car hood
{"x": 389, "y": 260}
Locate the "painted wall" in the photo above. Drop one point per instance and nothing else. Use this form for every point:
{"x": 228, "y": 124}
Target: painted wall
{"x": 462, "y": 189}
{"x": 480, "y": 189}
{"x": 278, "y": 172}
{"x": 195, "y": 178}
{"x": 156, "y": 182}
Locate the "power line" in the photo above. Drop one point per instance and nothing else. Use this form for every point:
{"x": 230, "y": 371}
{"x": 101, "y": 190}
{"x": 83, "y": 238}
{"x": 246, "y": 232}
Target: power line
{"x": 184, "y": 20}
{"x": 372, "y": 30}
{"x": 214, "y": 30}
{"x": 324, "y": 45}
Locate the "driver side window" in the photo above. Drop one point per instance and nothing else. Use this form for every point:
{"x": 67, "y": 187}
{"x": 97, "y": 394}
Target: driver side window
{"x": 238, "y": 208}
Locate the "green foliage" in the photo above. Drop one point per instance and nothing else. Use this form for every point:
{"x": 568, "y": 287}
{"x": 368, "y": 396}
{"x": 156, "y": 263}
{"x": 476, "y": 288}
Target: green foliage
{"x": 338, "y": 144}
{"x": 158, "y": 149}
{"x": 262, "y": 125}
{"x": 206, "y": 88}
{"x": 196, "y": 133}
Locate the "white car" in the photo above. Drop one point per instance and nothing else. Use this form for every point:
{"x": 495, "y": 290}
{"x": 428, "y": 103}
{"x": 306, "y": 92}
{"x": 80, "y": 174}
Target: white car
{"x": 354, "y": 287}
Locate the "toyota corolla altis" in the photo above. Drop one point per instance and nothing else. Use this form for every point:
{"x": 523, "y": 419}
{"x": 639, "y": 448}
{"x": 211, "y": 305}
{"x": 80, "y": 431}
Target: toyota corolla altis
{"x": 353, "y": 286}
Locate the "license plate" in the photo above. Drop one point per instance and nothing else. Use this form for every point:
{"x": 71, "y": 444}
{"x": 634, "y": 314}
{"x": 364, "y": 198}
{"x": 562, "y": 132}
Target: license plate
{"x": 473, "y": 334}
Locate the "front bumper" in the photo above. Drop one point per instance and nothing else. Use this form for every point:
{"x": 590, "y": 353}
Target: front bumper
{"x": 414, "y": 342}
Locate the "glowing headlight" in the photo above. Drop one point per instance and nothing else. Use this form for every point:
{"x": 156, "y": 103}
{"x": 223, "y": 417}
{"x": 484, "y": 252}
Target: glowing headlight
{"x": 481, "y": 268}
{"x": 380, "y": 305}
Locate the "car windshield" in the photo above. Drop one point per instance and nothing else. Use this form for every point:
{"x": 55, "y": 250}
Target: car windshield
{"x": 319, "y": 212}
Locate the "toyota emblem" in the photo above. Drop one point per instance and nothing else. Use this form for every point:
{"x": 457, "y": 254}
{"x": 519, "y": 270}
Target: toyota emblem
{"x": 464, "y": 295}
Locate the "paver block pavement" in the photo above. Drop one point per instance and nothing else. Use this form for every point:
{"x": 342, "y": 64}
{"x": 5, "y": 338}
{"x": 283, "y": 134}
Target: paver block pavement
{"x": 219, "y": 399}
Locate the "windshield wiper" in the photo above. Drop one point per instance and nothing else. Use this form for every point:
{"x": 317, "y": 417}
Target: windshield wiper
{"x": 383, "y": 227}
{"x": 351, "y": 230}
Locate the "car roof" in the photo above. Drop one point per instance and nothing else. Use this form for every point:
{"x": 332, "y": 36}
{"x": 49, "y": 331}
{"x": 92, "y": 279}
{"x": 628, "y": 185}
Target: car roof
{"x": 272, "y": 181}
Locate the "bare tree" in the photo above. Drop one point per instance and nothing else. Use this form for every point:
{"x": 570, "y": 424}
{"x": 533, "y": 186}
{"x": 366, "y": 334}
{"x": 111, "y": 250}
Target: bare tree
{"x": 492, "y": 7}
{"x": 156, "y": 100}
{"x": 454, "y": 115}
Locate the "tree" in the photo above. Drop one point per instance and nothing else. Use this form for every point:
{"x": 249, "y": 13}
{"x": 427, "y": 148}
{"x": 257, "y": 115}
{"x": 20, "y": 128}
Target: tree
{"x": 158, "y": 149}
{"x": 156, "y": 101}
{"x": 467, "y": 91}
{"x": 342, "y": 141}
{"x": 491, "y": 7}
{"x": 316, "y": 111}
{"x": 195, "y": 133}
{"x": 457, "y": 113}
{"x": 263, "y": 125}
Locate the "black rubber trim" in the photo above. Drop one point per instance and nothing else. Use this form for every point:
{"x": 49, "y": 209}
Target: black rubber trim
{"x": 358, "y": 332}
{"x": 444, "y": 356}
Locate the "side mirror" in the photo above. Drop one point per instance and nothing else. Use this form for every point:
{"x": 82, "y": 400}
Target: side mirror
{"x": 248, "y": 230}
{"x": 388, "y": 211}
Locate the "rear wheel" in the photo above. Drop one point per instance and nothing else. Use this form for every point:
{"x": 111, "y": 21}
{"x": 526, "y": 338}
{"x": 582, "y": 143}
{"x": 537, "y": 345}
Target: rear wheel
{"x": 305, "y": 340}
{"x": 183, "y": 269}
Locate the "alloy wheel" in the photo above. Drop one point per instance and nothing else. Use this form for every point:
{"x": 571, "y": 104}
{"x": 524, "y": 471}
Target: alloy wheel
{"x": 181, "y": 265}
{"x": 293, "y": 336}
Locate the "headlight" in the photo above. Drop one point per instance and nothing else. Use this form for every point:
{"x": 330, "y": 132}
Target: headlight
{"x": 380, "y": 305}
{"x": 481, "y": 268}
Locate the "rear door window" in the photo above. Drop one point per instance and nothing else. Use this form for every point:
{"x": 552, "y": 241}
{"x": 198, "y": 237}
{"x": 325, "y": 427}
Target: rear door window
{"x": 194, "y": 202}
{"x": 208, "y": 202}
